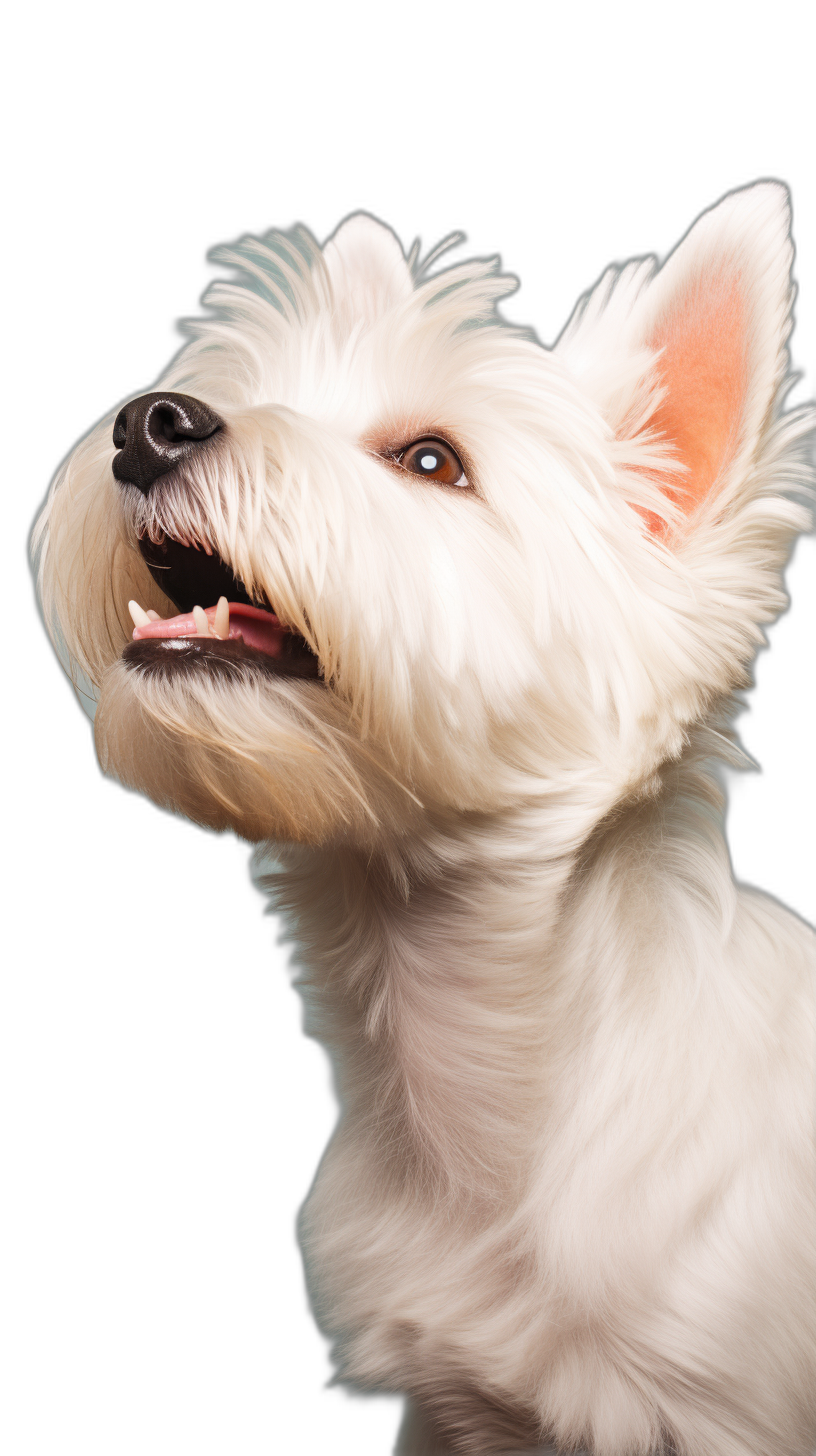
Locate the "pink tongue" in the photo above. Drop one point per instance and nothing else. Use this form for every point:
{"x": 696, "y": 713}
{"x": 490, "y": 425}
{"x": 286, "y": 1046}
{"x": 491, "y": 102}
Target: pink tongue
{"x": 258, "y": 628}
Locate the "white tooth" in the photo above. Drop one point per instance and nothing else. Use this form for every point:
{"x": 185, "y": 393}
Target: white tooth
{"x": 221, "y": 623}
{"x": 154, "y": 616}
{"x": 202, "y": 625}
{"x": 139, "y": 615}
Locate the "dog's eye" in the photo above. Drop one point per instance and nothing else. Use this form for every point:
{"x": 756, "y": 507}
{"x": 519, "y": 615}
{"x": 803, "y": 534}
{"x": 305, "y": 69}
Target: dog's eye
{"x": 433, "y": 460}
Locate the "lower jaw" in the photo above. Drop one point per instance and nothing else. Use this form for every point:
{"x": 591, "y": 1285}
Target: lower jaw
{"x": 229, "y": 657}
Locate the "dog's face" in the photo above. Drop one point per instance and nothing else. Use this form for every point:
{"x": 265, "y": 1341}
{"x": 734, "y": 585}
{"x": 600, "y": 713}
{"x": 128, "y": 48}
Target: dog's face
{"x": 463, "y": 572}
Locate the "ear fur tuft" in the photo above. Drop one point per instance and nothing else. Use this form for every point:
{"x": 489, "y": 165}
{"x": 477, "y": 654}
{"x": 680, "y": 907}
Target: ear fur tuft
{"x": 367, "y": 270}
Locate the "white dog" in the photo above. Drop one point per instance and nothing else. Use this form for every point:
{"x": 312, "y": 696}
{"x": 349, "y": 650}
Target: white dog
{"x": 457, "y": 621}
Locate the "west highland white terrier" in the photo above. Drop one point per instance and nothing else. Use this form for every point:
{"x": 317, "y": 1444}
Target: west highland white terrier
{"x": 457, "y": 621}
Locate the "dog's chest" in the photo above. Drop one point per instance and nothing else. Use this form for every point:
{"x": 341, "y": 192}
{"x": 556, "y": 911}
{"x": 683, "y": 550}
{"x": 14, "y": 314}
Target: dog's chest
{"x": 408, "y": 1282}
{"x": 399, "y": 1276}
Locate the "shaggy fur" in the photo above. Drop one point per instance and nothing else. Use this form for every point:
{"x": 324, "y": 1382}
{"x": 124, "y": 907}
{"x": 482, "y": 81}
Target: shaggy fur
{"x": 571, "y": 1193}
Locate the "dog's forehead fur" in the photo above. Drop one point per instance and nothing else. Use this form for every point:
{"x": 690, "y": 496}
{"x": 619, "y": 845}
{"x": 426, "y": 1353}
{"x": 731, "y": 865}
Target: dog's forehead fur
{"x": 333, "y": 336}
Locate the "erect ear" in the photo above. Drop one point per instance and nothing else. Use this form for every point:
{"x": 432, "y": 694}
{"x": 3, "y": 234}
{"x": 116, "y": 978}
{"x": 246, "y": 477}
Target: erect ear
{"x": 717, "y": 316}
{"x": 367, "y": 270}
{"x": 701, "y": 342}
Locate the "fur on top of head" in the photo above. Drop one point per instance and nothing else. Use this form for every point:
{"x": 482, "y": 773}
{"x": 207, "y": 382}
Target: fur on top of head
{"x": 551, "y": 624}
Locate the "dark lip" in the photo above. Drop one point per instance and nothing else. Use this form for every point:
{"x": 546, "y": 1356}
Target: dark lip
{"x": 231, "y": 659}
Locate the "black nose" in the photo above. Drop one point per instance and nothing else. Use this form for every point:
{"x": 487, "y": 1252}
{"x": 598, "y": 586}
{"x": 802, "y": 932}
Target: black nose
{"x": 156, "y": 432}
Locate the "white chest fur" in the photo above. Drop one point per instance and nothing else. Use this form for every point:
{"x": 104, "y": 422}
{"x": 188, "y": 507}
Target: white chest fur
{"x": 575, "y": 1156}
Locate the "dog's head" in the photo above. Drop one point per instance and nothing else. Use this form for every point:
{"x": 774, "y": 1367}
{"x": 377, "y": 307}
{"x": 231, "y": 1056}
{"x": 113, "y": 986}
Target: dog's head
{"x": 464, "y": 572}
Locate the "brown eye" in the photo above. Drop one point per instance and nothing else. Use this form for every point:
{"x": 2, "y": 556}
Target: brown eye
{"x": 433, "y": 460}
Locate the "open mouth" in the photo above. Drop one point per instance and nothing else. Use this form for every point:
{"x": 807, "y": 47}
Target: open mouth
{"x": 218, "y": 626}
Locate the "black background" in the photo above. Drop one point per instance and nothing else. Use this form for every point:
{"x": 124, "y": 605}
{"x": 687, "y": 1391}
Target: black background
{"x": 174, "y": 1114}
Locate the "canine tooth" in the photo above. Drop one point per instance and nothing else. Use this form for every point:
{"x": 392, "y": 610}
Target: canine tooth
{"x": 202, "y": 625}
{"x": 220, "y": 625}
{"x": 154, "y": 616}
{"x": 138, "y": 614}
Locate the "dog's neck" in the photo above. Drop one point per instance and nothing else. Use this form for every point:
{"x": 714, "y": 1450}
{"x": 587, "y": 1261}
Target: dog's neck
{"x": 455, "y": 996}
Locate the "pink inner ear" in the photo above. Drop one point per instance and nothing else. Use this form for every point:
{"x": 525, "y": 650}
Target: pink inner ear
{"x": 703, "y": 371}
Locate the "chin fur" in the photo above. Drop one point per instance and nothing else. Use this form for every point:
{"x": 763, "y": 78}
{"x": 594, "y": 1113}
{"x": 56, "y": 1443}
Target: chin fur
{"x": 236, "y": 747}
